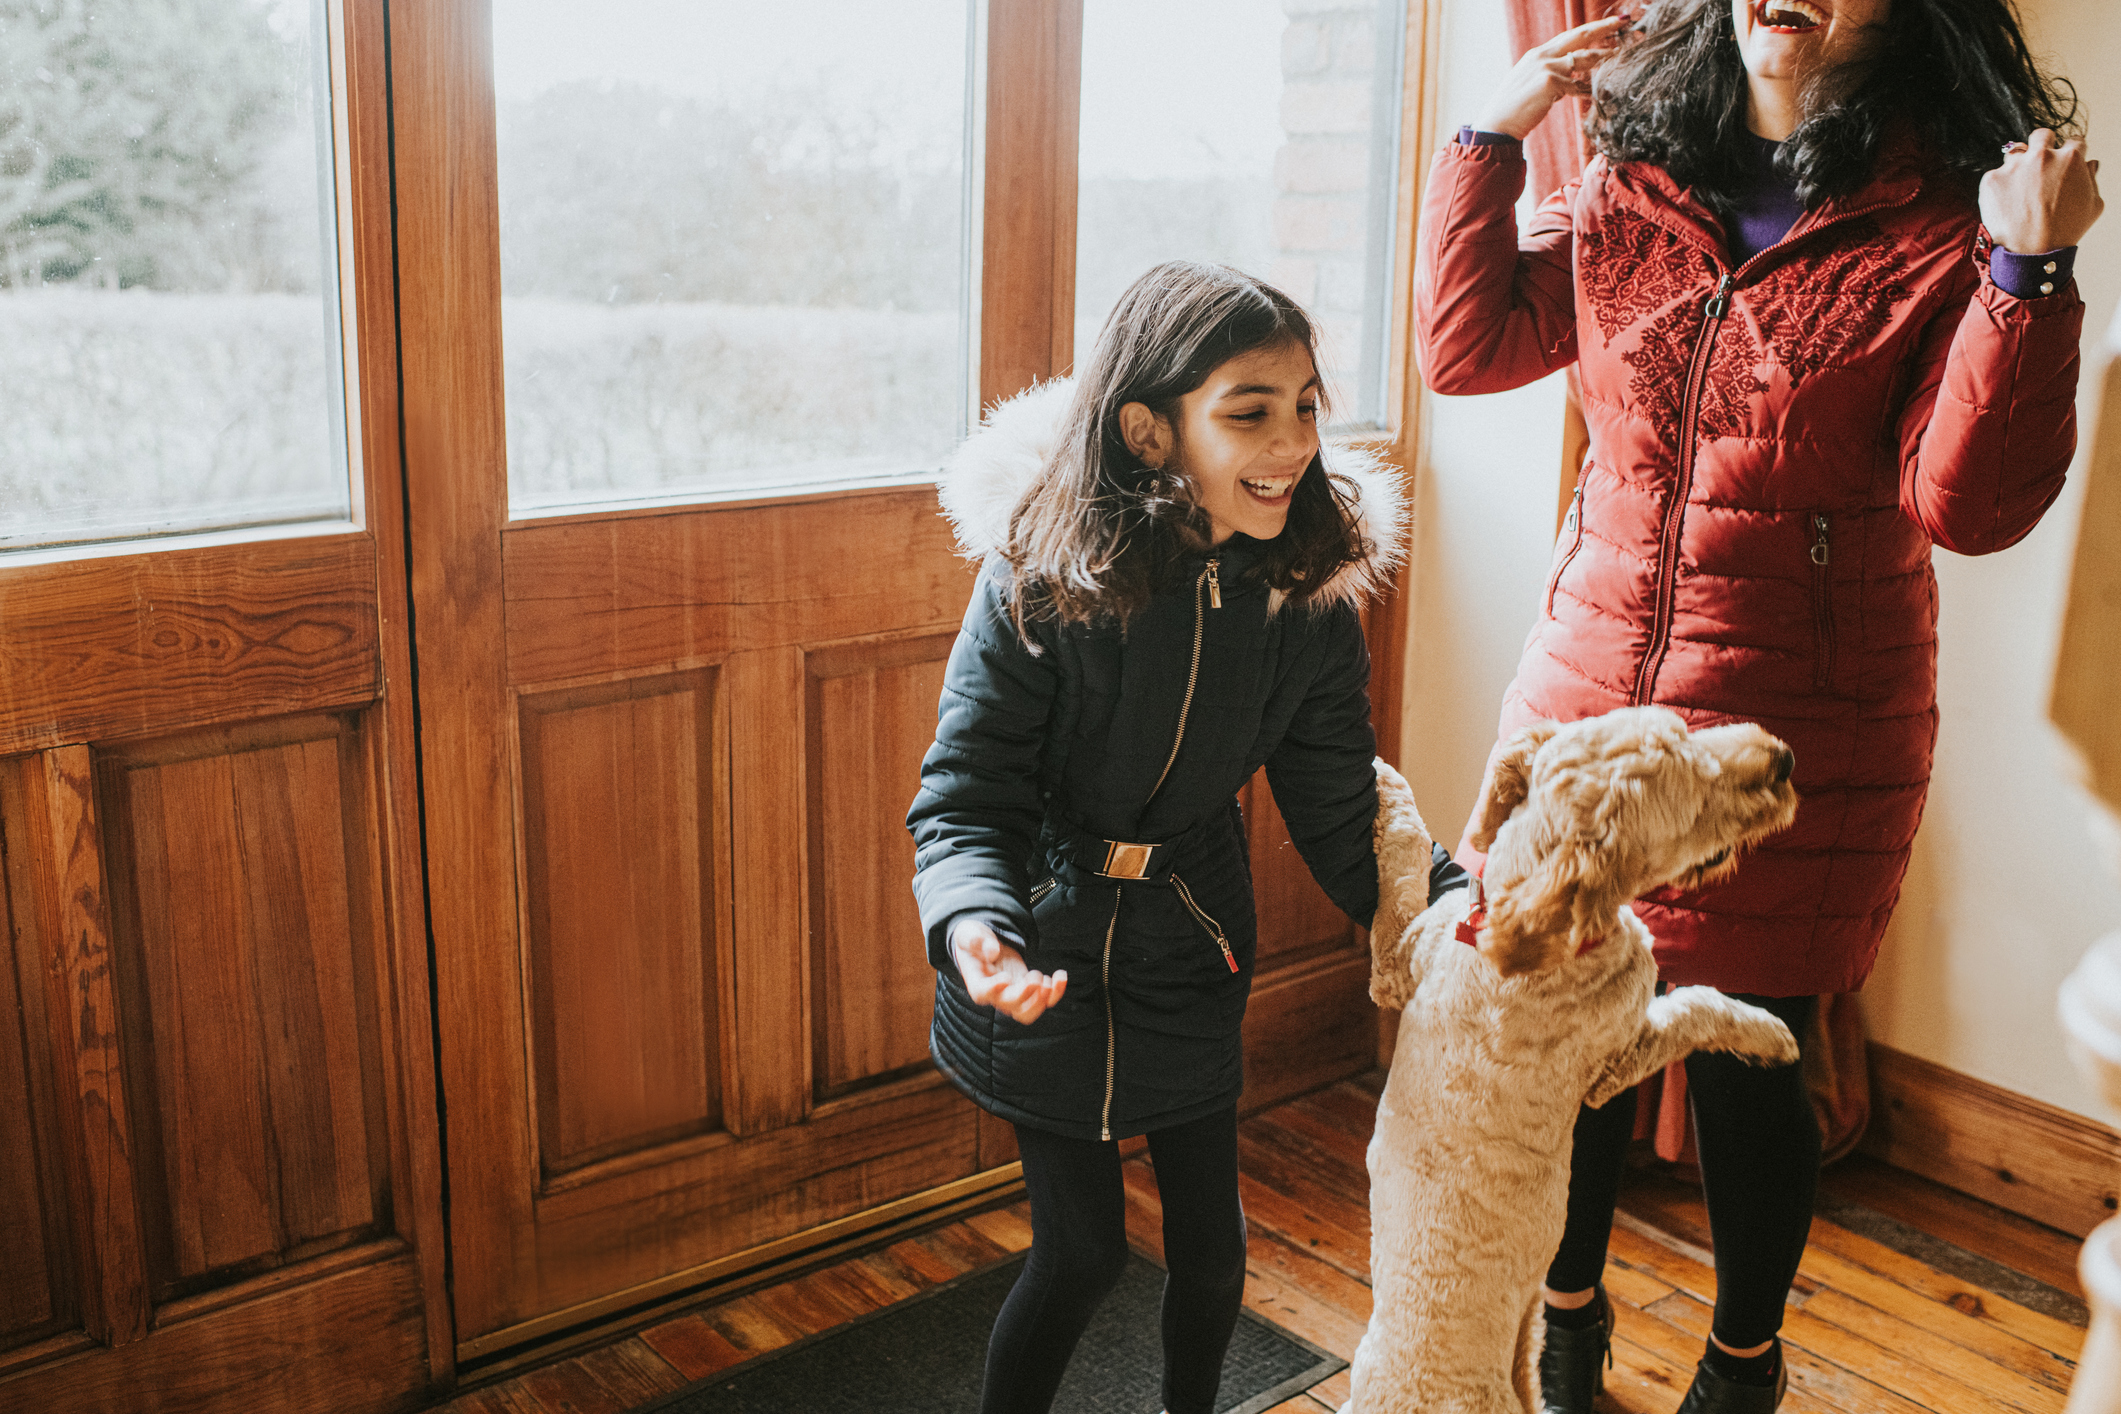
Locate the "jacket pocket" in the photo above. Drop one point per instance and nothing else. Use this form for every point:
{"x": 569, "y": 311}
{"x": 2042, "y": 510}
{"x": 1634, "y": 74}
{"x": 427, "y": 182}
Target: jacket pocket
{"x": 1200, "y": 916}
{"x": 1572, "y": 532}
{"x": 1822, "y": 601}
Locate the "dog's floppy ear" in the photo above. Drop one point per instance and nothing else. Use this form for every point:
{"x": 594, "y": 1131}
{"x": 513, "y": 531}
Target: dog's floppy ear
{"x": 1568, "y": 899}
{"x": 1507, "y": 780}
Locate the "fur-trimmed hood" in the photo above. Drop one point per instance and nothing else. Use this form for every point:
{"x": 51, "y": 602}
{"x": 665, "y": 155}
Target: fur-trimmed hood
{"x": 986, "y": 477}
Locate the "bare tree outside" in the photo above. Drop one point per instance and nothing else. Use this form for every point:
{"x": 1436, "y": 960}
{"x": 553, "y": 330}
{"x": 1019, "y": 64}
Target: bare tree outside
{"x": 168, "y": 333}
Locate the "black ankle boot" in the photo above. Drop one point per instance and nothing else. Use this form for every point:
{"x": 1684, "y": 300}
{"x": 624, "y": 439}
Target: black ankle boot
{"x": 1573, "y": 1363}
{"x": 1711, "y": 1393}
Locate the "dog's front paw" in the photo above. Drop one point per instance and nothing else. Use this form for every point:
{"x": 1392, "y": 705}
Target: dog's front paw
{"x": 1759, "y": 1036}
{"x": 1392, "y": 983}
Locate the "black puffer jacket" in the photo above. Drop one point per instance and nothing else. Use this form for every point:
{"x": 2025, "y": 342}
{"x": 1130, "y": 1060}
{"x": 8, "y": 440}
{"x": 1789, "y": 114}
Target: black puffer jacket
{"x": 1041, "y": 758}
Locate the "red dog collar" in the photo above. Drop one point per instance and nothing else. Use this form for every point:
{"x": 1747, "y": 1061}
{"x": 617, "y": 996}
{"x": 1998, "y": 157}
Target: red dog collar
{"x": 1477, "y": 915}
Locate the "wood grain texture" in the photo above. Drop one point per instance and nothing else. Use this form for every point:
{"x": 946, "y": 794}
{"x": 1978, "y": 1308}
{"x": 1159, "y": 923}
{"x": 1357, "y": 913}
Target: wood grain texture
{"x": 621, "y": 843}
{"x": 239, "y": 863}
{"x": 870, "y": 715}
{"x": 772, "y": 1083}
{"x": 1296, "y": 919}
{"x": 105, "y": 648}
{"x": 86, "y": 1030}
{"x": 1307, "y": 1026}
{"x": 456, "y": 500}
{"x": 632, "y": 593}
{"x": 39, "y": 1293}
{"x": 350, "y": 1340}
{"x": 1034, "y": 93}
{"x": 2007, "y": 1149}
{"x": 405, "y": 1004}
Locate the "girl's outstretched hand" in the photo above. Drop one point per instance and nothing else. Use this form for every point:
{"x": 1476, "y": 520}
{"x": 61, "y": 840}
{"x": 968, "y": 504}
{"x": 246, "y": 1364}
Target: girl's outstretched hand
{"x": 995, "y": 974}
{"x": 1560, "y": 68}
{"x": 2044, "y": 197}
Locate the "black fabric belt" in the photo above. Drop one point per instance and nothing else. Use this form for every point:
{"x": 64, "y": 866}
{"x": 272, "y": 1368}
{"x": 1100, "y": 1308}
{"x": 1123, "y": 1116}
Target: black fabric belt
{"x": 1126, "y": 859}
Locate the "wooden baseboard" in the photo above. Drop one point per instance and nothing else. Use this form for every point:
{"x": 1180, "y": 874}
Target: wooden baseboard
{"x": 2025, "y": 1156}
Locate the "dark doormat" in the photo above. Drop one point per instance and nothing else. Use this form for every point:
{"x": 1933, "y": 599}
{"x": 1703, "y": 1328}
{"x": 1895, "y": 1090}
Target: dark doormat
{"x": 925, "y": 1354}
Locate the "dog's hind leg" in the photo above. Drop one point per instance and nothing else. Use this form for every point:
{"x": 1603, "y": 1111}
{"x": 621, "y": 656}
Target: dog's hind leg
{"x": 1524, "y": 1372}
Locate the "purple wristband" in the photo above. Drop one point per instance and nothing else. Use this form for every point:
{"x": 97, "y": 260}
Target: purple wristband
{"x": 1469, "y": 136}
{"x": 2031, "y": 276}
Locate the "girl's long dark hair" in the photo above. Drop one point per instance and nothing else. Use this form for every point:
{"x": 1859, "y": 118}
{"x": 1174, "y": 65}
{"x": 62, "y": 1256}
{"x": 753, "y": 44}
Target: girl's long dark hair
{"x": 1957, "y": 72}
{"x": 1099, "y": 531}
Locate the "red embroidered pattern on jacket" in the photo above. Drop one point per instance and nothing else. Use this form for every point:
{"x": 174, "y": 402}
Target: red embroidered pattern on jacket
{"x": 1816, "y": 313}
{"x": 1665, "y": 357}
{"x": 1630, "y": 267}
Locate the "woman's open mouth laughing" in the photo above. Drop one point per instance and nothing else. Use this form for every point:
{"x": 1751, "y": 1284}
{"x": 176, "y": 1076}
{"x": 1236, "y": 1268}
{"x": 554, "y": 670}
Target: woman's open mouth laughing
{"x": 1272, "y": 489}
{"x": 1788, "y": 16}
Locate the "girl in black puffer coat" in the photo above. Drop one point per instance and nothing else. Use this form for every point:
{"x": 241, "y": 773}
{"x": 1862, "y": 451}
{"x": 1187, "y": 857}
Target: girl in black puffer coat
{"x": 1167, "y": 602}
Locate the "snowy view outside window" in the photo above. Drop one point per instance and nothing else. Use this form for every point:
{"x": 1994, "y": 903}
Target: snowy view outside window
{"x": 1256, "y": 133}
{"x": 733, "y": 244}
{"x": 169, "y": 327}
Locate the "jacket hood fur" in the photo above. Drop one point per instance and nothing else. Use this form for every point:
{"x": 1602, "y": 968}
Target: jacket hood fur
{"x": 986, "y": 477}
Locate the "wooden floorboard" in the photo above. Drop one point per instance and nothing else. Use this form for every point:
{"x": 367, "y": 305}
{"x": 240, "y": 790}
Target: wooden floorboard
{"x": 1870, "y": 1329}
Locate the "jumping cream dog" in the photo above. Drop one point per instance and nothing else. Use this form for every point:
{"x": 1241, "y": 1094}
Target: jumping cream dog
{"x": 1553, "y": 1006}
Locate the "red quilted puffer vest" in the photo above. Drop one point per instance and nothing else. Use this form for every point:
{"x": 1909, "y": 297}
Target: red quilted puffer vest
{"x": 1774, "y": 450}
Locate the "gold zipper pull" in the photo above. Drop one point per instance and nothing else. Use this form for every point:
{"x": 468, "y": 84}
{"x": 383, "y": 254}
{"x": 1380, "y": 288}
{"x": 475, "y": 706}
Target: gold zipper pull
{"x": 1228, "y": 956}
{"x": 1215, "y": 585}
{"x": 1821, "y": 548}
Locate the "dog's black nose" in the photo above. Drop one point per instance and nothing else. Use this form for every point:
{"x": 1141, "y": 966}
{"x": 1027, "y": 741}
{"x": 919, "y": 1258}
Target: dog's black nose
{"x": 1785, "y": 762}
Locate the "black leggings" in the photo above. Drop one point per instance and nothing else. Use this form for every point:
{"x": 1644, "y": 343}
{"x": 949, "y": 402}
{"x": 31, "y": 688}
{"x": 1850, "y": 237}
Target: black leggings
{"x": 1079, "y": 1246}
{"x": 1759, "y": 1146}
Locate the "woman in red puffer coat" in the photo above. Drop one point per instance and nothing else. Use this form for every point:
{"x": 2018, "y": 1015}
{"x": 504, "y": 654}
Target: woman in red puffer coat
{"x": 1814, "y": 341}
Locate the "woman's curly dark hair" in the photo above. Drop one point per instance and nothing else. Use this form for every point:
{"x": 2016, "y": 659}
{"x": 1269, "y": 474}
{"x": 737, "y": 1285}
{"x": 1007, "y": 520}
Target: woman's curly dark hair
{"x": 1099, "y": 532}
{"x": 1957, "y": 72}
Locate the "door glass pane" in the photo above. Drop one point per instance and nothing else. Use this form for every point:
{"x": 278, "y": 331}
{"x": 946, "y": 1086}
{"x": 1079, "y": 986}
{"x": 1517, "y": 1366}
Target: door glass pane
{"x": 170, "y": 348}
{"x": 1256, "y": 133}
{"x": 733, "y": 244}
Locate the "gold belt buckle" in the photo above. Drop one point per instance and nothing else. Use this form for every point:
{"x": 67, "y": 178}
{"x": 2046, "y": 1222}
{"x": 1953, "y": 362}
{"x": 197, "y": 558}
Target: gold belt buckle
{"x": 1127, "y": 861}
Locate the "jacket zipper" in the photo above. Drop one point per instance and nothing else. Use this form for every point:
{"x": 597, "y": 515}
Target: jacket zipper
{"x": 1208, "y": 587}
{"x": 1573, "y": 523}
{"x": 1105, "y": 1123}
{"x": 1215, "y": 929}
{"x": 1210, "y": 581}
{"x": 1041, "y": 889}
{"x": 1822, "y": 602}
{"x": 1719, "y": 304}
{"x": 1689, "y": 449}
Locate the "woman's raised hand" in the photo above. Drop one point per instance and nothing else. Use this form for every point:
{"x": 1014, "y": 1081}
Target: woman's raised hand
{"x": 1560, "y": 68}
{"x": 995, "y": 974}
{"x": 2045, "y": 196}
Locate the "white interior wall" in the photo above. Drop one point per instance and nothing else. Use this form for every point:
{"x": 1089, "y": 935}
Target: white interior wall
{"x": 2005, "y": 890}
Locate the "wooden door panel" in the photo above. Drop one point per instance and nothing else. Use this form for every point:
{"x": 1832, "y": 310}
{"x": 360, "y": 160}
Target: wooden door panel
{"x": 105, "y": 648}
{"x": 870, "y": 710}
{"x": 37, "y": 1295}
{"x": 243, "y": 886}
{"x": 50, "y": 800}
{"x": 627, "y": 912}
{"x": 637, "y": 591}
{"x": 1296, "y": 919}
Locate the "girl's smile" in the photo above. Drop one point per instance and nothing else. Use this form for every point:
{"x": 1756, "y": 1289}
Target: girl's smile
{"x": 1243, "y": 438}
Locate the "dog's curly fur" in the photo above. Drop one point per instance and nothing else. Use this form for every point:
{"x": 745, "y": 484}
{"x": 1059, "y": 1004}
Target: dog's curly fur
{"x": 1501, "y": 1043}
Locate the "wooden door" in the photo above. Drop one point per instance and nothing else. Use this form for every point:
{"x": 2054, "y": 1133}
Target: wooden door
{"x": 219, "y": 1175}
{"x": 667, "y": 750}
